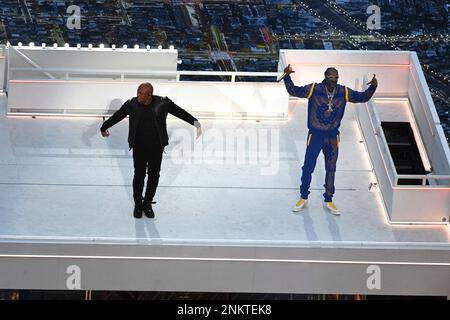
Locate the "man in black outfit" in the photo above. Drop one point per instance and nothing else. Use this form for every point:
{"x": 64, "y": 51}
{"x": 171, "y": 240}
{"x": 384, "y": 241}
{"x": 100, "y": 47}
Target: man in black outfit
{"x": 147, "y": 136}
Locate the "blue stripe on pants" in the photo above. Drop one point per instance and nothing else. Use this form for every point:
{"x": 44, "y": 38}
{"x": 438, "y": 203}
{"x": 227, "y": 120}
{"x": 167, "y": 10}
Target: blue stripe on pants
{"x": 327, "y": 143}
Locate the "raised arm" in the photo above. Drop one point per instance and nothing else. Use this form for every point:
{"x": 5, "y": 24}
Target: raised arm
{"x": 300, "y": 92}
{"x": 293, "y": 90}
{"x": 357, "y": 96}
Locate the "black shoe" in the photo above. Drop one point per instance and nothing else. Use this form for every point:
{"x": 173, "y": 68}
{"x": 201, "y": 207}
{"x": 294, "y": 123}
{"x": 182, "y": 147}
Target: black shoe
{"x": 148, "y": 211}
{"x": 137, "y": 211}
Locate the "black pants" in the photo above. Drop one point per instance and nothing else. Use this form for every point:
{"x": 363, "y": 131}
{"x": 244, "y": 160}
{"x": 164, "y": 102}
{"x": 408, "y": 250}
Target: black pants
{"x": 146, "y": 158}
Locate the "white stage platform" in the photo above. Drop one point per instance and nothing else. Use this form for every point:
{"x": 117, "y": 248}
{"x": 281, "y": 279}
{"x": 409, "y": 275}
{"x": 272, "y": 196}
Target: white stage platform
{"x": 66, "y": 200}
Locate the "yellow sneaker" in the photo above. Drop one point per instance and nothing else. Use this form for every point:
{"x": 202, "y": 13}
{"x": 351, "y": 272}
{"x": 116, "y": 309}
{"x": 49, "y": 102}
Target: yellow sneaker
{"x": 332, "y": 208}
{"x": 300, "y": 205}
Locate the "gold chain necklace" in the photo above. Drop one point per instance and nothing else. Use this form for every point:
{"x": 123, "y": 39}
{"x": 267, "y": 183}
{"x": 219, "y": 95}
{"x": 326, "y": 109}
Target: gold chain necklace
{"x": 330, "y": 98}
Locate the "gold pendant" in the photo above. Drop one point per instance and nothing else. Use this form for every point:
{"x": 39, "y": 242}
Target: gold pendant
{"x": 330, "y": 107}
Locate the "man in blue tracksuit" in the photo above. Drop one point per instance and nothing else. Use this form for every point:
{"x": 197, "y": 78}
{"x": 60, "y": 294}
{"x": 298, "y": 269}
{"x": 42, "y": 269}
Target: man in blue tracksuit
{"x": 326, "y": 107}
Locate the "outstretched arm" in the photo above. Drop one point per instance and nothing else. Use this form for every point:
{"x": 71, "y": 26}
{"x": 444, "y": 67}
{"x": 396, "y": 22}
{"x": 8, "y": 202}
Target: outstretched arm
{"x": 118, "y": 116}
{"x": 184, "y": 115}
{"x": 356, "y": 96}
{"x": 300, "y": 92}
{"x": 293, "y": 90}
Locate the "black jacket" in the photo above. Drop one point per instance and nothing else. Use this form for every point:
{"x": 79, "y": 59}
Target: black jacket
{"x": 161, "y": 107}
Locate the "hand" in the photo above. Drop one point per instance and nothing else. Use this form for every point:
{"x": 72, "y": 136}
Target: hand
{"x": 288, "y": 70}
{"x": 105, "y": 133}
{"x": 374, "y": 81}
{"x": 199, "y": 132}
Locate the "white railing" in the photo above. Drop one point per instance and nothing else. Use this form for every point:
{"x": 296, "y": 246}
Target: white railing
{"x": 209, "y": 97}
{"x": 420, "y": 81}
{"x": 129, "y": 73}
{"x": 424, "y": 178}
{"x": 386, "y": 154}
{"x": 381, "y": 142}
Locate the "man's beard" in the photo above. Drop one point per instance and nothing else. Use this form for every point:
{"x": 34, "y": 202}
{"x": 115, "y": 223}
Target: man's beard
{"x": 331, "y": 84}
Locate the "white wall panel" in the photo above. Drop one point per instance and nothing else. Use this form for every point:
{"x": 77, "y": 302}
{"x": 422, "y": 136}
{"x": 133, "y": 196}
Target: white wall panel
{"x": 214, "y": 97}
